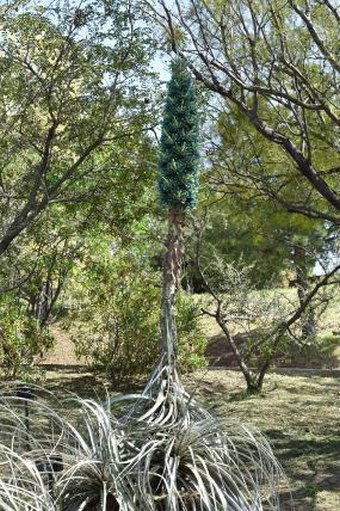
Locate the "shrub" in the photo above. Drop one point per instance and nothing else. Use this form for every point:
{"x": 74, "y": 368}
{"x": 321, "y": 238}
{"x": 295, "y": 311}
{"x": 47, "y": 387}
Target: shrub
{"x": 21, "y": 339}
{"x": 192, "y": 340}
{"x": 119, "y": 329}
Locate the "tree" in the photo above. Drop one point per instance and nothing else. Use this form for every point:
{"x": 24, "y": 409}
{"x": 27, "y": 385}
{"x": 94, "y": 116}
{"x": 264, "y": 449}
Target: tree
{"x": 256, "y": 326}
{"x": 268, "y": 64}
{"x": 73, "y": 81}
{"x": 74, "y": 142}
{"x": 178, "y": 186}
{"x": 276, "y": 63}
{"x": 259, "y": 231}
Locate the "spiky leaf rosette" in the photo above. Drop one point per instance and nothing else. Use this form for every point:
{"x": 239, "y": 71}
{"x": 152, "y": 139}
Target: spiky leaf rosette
{"x": 178, "y": 160}
{"x": 187, "y": 460}
{"x": 165, "y": 452}
{"x": 52, "y": 462}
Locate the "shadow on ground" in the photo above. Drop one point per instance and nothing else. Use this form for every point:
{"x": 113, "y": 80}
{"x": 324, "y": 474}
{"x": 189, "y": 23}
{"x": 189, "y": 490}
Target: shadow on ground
{"x": 320, "y": 355}
{"x": 319, "y": 474}
{"x": 65, "y": 379}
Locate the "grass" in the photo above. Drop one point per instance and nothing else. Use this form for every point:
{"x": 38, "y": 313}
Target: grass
{"x": 299, "y": 409}
{"x": 300, "y": 415}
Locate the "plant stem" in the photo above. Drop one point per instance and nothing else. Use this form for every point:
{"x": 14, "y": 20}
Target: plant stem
{"x": 172, "y": 270}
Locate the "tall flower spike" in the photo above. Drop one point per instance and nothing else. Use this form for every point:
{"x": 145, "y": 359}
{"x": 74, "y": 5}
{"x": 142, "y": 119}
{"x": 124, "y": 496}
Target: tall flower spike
{"x": 178, "y": 160}
{"x": 178, "y": 187}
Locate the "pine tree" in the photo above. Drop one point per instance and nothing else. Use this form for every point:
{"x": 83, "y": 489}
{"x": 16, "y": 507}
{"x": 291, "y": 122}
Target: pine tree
{"x": 178, "y": 186}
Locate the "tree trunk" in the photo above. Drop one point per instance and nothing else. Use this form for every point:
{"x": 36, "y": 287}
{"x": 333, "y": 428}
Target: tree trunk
{"x": 172, "y": 269}
{"x": 254, "y": 381}
{"x": 308, "y": 324}
{"x": 44, "y": 308}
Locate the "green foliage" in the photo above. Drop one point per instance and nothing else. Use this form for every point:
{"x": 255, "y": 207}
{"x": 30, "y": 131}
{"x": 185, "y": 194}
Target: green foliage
{"x": 73, "y": 109}
{"x": 178, "y": 160}
{"x": 275, "y": 64}
{"x": 75, "y": 154}
{"x": 118, "y": 316}
{"x": 242, "y": 223}
{"x": 118, "y": 334}
{"x": 21, "y": 339}
{"x": 192, "y": 340}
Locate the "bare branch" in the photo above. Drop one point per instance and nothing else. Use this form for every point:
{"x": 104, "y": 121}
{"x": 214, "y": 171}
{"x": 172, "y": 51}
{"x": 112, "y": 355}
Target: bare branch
{"x": 316, "y": 38}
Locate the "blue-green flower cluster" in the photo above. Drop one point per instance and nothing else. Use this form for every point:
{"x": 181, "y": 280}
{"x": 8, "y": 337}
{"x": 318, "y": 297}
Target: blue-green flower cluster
{"x": 178, "y": 160}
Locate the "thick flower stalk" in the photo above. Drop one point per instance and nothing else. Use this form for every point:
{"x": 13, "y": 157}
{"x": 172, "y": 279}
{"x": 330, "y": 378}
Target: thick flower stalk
{"x": 178, "y": 187}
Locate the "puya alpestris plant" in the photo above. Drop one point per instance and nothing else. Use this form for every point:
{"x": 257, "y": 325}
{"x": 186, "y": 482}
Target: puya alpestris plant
{"x": 178, "y": 188}
{"x": 157, "y": 455}
{"x": 187, "y": 460}
{"x": 158, "y": 450}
